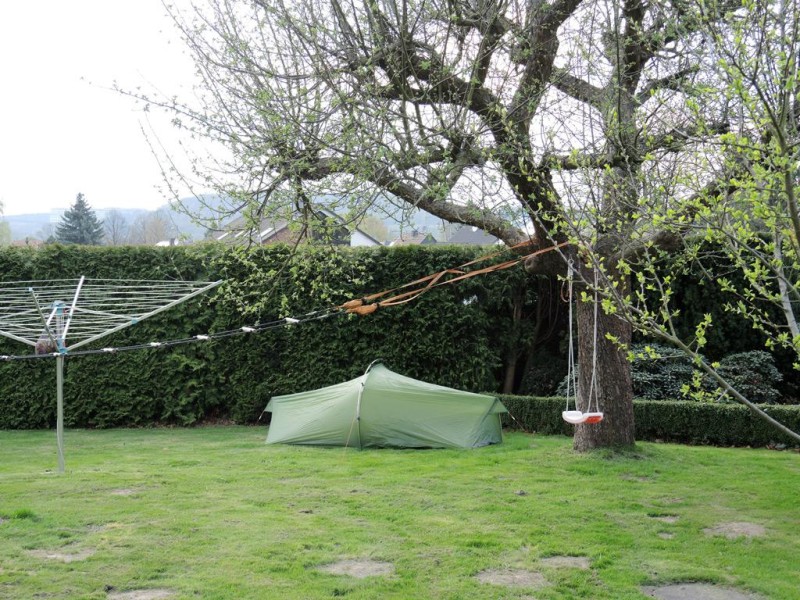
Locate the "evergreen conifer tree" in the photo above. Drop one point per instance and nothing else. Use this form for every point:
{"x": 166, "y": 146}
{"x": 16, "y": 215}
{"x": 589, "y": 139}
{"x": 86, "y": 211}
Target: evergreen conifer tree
{"x": 80, "y": 225}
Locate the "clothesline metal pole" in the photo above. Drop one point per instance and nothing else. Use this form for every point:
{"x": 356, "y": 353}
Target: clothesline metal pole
{"x": 60, "y": 410}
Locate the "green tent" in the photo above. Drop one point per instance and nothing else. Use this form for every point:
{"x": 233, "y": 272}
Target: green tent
{"x": 384, "y": 409}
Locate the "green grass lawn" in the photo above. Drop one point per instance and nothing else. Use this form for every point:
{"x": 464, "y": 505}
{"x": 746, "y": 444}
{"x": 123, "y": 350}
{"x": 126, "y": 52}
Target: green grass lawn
{"x": 215, "y": 513}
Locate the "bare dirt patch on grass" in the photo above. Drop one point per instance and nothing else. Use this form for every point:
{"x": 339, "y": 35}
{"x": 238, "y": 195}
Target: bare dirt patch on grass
{"x": 669, "y": 519}
{"x": 63, "y": 555}
{"x": 358, "y": 568}
{"x": 568, "y": 562}
{"x": 696, "y": 591}
{"x": 736, "y": 530}
{"x": 639, "y": 478}
{"x": 512, "y": 578}
{"x": 124, "y": 492}
{"x": 154, "y": 594}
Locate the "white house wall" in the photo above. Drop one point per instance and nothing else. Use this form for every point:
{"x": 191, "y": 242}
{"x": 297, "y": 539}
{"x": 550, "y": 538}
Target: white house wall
{"x": 359, "y": 239}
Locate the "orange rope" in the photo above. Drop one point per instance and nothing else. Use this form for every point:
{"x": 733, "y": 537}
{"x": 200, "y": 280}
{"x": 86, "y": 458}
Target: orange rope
{"x": 366, "y": 306}
{"x": 435, "y": 276}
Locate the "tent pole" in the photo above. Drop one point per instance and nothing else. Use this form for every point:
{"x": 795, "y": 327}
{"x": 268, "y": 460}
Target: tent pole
{"x": 358, "y": 411}
{"x": 60, "y": 410}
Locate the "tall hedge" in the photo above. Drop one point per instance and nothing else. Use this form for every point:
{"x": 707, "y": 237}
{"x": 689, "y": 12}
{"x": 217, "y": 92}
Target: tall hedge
{"x": 454, "y": 335}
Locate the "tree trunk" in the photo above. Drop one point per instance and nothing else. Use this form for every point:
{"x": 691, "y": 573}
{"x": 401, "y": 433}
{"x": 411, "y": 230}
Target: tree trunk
{"x": 513, "y": 351}
{"x": 612, "y": 380}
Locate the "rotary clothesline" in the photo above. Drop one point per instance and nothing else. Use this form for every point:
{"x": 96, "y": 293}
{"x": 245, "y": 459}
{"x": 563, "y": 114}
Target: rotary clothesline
{"x": 58, "y": 316}
{"x": 64, "y": 314}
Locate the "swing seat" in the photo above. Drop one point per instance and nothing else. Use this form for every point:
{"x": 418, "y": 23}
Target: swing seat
{"x": 576, "y": 417}
{"x": 594, "y": 417}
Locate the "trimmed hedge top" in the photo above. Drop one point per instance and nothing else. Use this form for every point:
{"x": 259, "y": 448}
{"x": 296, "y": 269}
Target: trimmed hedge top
{"x": 686, "y": 422}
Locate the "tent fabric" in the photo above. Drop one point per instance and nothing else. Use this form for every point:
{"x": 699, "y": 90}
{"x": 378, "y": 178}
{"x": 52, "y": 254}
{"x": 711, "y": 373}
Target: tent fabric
{"x": 385, "y": 409}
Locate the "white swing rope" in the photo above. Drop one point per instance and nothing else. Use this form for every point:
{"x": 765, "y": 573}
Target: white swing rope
{"x": 572, "y": 382}
{"x": 577, "y": 416}
{"x": 593, "y": 383}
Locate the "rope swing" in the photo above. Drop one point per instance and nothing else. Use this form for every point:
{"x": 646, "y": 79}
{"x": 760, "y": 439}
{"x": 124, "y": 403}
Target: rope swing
{"x": 575, "y": 417}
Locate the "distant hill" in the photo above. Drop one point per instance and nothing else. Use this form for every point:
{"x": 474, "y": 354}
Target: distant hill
{"x": 186, "y": 212}
{"x": 42, "y": 225}
{"x": 27, "y": 226}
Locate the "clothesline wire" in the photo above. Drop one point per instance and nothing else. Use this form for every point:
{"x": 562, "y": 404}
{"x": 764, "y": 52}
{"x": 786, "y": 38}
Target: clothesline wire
{"x": 276, "y": 324}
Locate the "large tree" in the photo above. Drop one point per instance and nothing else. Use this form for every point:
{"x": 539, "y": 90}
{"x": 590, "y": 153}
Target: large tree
{"x": 151, "y": 228}
{"x": 116, "y": 228}
{"x": 80, "y": 225}
{"x": 543, "y": 121}
{"x": 736, "y": 211}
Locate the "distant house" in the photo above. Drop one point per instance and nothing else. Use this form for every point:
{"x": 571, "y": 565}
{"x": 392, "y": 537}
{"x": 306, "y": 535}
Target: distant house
{"x": 469, "y": 235}
{"x": 414, "y": 238}
{"x": 274, "y": 231}
{"x": 29, "y": 242}
{"x": 170, "y": 242}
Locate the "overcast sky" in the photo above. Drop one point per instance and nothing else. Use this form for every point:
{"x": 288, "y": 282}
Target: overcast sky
{"x": 61, "y": 130}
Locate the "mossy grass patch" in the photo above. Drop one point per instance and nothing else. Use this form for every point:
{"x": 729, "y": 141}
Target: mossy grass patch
{"x": 219, "y": 514}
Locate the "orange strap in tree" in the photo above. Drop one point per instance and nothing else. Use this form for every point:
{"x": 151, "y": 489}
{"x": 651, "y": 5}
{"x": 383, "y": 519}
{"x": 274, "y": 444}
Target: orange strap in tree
{"x": 366, "y": 305}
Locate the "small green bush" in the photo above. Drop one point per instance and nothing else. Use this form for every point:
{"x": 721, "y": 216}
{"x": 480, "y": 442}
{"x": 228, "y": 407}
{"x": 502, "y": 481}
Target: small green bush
{"x": 753, "y": 374}
{"x": 659, "y": 371}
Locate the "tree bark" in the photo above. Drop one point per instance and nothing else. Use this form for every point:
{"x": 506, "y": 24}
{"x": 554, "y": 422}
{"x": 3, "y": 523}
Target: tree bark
{"x": 612, "y": 380}
{"x": 513, "y": 351}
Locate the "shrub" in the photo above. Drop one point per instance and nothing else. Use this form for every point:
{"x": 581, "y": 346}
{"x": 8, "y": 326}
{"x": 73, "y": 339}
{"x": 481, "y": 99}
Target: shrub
{"x": 658, "y": 372}
{"x": 545, "y": 375}
{"x": 752, "y": 374}
{"x": 457, "y": 335}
